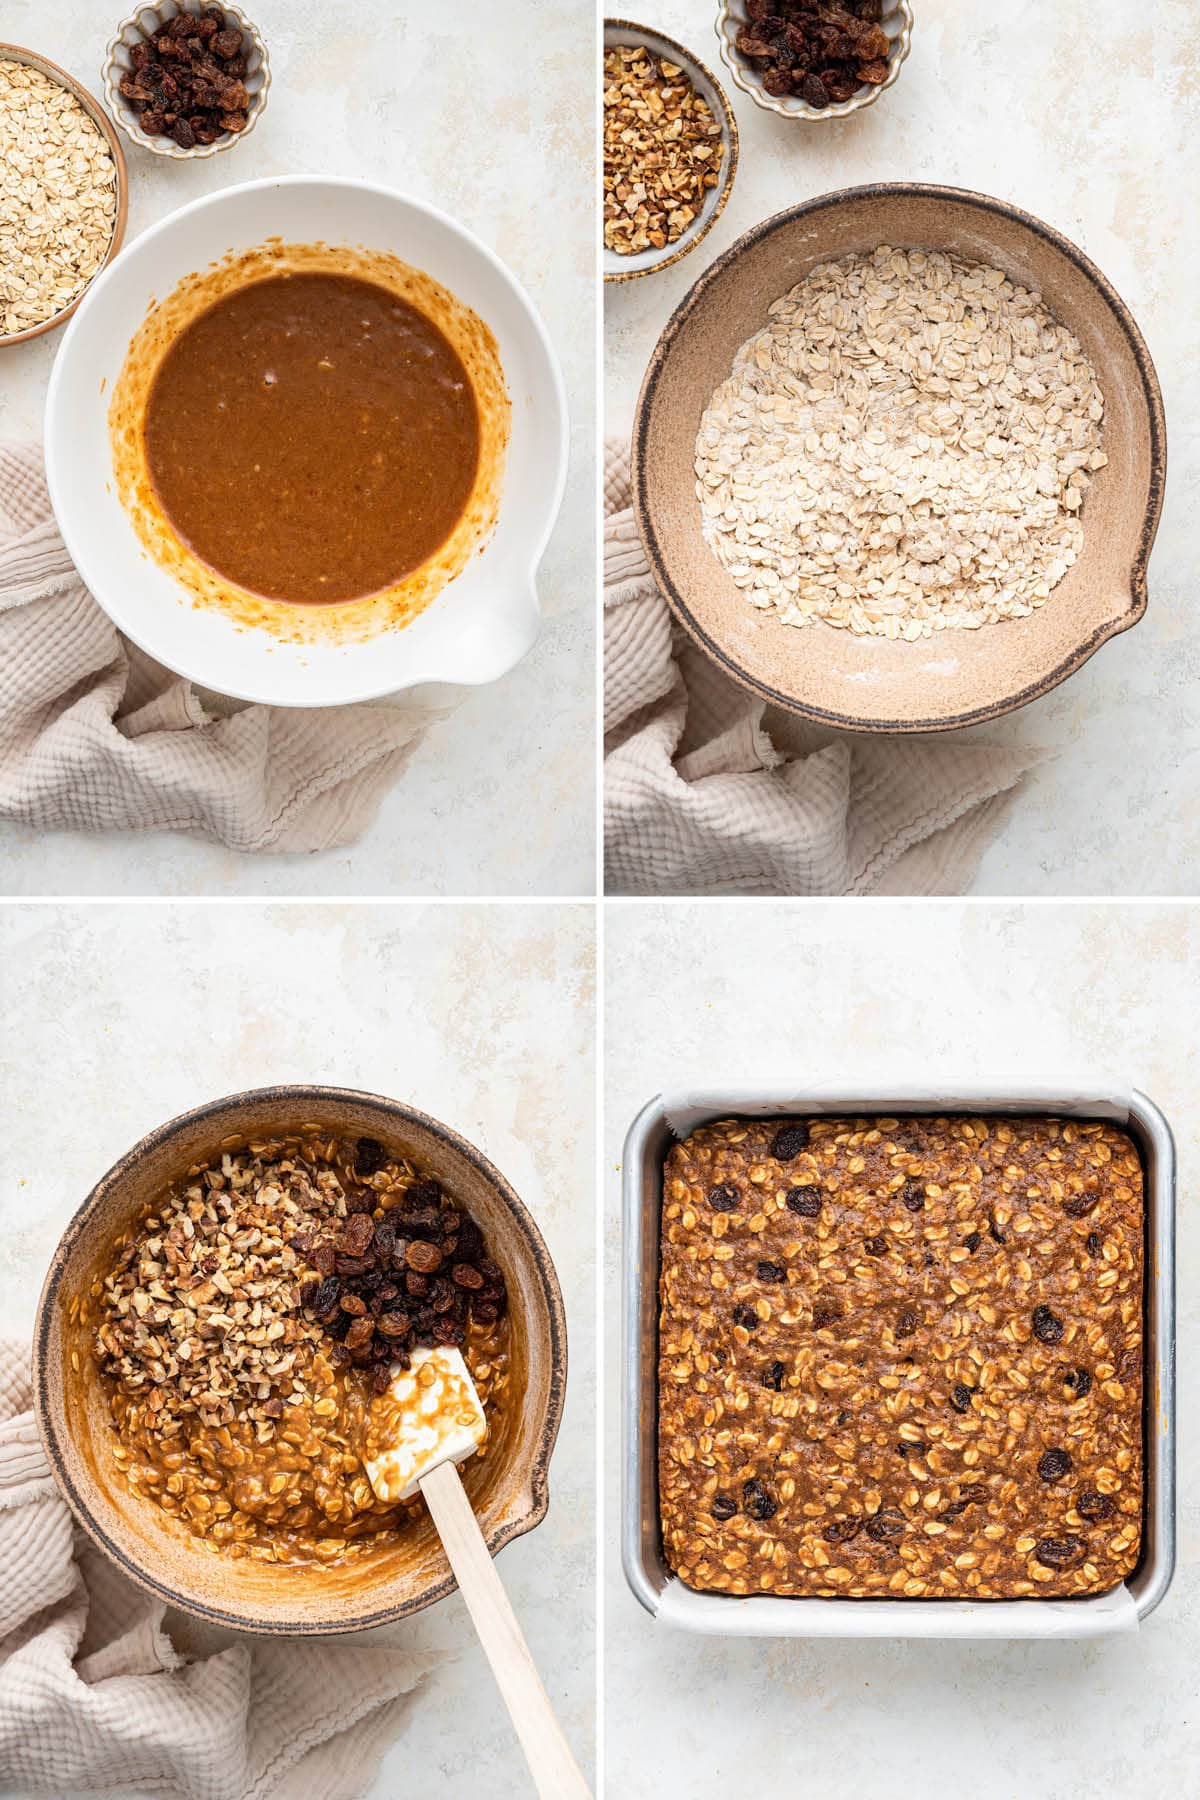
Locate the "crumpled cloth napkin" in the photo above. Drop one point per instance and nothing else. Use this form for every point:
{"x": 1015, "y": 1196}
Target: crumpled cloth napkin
{"x": 96, "y": 736}
{"x": 100, "y": 1691}
{"x": 703, "y": 795}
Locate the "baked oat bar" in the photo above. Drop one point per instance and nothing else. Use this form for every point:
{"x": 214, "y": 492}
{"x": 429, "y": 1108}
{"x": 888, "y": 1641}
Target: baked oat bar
{"x": 902, "y": 1358}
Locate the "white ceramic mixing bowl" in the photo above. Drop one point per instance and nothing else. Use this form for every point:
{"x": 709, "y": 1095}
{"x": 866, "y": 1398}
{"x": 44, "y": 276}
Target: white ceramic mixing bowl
{"x": 482, "y": 622}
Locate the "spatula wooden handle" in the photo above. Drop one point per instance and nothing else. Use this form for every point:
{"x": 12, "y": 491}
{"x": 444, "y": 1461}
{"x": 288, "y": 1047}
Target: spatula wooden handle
{"x": 555, "y": 1772}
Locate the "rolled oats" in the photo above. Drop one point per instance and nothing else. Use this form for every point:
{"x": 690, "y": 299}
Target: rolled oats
{"x": 58, "y": 197}
{"x": 904, "y": 448}
{"x": 939, "y": 1394}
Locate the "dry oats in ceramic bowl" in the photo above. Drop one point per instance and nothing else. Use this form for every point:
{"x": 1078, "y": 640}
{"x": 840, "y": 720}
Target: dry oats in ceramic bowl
{"x": 899, "y": 459}
{"x": 62, "y": 194}
{"x": 219, "y": 1325}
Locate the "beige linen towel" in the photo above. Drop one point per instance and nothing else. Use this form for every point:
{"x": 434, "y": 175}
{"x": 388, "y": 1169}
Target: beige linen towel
{"x": 95, "y": 736}
{"x": 97, "y": 1691}
{"x": 705, "y": 795}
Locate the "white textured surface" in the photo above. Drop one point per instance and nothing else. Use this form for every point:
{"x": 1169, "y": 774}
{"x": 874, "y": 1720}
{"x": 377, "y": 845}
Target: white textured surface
{"x": 489, "y": 117}
{"x": 116, "y": 1018}
{"x": 1089, "y": 118}
{"x": 916, "y": 992}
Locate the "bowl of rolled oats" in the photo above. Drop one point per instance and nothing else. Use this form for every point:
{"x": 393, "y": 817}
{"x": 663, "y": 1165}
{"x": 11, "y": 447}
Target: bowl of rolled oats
{"x": 899, "y": 459}
{"x": 670, "y": 151}
{"x": 217, "y": 1335}
{"x": 62, "y": 193}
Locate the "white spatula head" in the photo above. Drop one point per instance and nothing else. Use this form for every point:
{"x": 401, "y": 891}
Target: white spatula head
{"x": 429, "y": 1414}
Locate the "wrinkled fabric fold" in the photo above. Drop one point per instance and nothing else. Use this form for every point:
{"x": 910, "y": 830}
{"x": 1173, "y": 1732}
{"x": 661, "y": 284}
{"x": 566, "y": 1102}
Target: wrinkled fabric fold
{"x": 97, "y": 736}
{"x": 707, "y": 791}
{"x": 101, "y": 1688}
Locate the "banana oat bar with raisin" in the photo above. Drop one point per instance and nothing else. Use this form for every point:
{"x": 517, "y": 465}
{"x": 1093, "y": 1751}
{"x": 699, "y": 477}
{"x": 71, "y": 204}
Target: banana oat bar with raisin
{"x": 902, "y": 1357}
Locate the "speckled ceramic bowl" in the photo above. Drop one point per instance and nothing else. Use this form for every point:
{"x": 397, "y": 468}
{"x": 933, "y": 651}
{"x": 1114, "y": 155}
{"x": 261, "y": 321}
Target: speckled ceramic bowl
{"x": 954, "y": 677}
{"x": 732, "y": 16}
{"x": 149, "y": 19}
{"x": 508, "y": 1488}
{"x": 98, "y": 116}
{"x": 648, "y": 262}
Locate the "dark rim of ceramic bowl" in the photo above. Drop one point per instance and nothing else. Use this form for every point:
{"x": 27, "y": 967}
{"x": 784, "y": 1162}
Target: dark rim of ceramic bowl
{"x": 1152, "y": 394}
{"x": 291, "y": 1097}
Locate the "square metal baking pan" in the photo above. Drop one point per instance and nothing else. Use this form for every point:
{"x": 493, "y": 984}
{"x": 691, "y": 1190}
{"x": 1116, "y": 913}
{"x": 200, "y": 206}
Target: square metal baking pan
{"x": 650, "y": 1136}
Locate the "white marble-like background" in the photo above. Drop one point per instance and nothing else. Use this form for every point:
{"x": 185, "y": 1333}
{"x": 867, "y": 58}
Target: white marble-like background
{"x": 487, "y": 112}
{"x": 1089, "y": 117}
{"x": 118, "y": 1017}
{"x": 897, "y": 992}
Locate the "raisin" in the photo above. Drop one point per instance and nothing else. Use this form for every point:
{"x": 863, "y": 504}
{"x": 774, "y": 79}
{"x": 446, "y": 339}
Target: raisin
{"x": 446, "y": 1330}
{"x": 723, "y": 1198}
{"x": 1093, "y": 1244}
{"x": 773, "y": 1376}
{"x": 723, "y": 1507}
{"x": 1047, "y": 1326}
{"x": 424, "y": 1258}
{"x": 789, "y": 1141}
{"x": 486, "y": 1311}
{"x": 360, "y": 1334}
{"x": 393, "y": 1324}
{"x": 770, "y": 1271}
{"x": 841, "y": 1531}
{"x": 381, "y": 1375}
{"x": 824, "y": 1316}
{"x": 954, "y": 1511}
{"x": 1129, "y": 1364}
{"x": 358, "y": 1234}
{"x": 1095, "y": 1508}
{"x": 745, "y": 1315}
{"x": 466, "y": 1276}
{"x": 972, "y": 1241}
{"x": 308, "y": 1292}
{"x": 758, "y": 1500}
{"x": 877, "y": 1245}
{"x": 351, "y": 1265}
{"x": 416, "y": 1285}
{"x": 470, "y": 1241}
{"x": 843, "y": 1418}
{"x": 353, "y": 1304}
{"x": 913, "y": 1196}
{"x": 442, "y": 1294}
{"x": 812, "y": 89}
{"x": 885, "y": 1524}
{"x": 906, "y": 1449}
{"x": 1059, "y": 1553}
{"x": 994, "y": 1231}
{"x": 1082, "y": 1383}
{"x": 973, "y": 1493}
{"x": 327, "y": 1296}
{"x": 422, "y": 1193}
{"x": 961, "y": 1397}
{"x": 1081, "y": 1206}
{"x": 777, "y": 82}
{"x": 369, "y": 1156}
{"x": 1054, "y": 1464}
{"x": 806, "y": 1201}
{"x": 908, "y": 1321}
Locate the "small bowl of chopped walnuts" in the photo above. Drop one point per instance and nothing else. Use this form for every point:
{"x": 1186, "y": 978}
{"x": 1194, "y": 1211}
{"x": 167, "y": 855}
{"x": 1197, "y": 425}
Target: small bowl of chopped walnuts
{"x": 670, "y": 150}
{"x": 185, "y": 78}
{"x": 814, "y": 59}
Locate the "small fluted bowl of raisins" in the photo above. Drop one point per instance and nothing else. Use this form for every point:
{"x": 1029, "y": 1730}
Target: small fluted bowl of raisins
{"x": 184, "y": 78}
{"x": 814, "y": 59}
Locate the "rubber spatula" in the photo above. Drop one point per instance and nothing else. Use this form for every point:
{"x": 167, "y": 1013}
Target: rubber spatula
{"x": 430, "y": 1420}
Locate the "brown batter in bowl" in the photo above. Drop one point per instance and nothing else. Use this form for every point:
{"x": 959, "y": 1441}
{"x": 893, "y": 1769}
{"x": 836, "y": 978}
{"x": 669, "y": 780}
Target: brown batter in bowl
{"x": 311, "y": 437}
{"x": 347, "y": 431}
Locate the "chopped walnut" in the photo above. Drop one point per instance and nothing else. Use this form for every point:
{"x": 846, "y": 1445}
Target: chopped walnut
{"x": 662, "y": 150}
